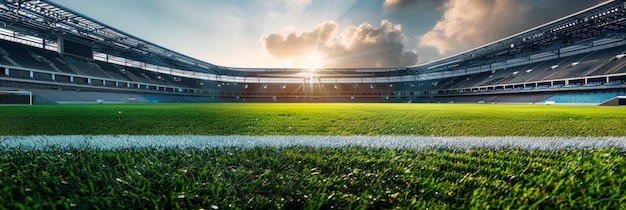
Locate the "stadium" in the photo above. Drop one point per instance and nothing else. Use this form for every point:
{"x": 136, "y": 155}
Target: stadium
{"x": 64, "y": 57}
{"x": 94, "y": 117}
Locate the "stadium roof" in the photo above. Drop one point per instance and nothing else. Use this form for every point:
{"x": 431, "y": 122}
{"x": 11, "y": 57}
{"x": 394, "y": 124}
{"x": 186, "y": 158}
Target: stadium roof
{"x": 598, "y": 25}
{"x": 48, "y": 20}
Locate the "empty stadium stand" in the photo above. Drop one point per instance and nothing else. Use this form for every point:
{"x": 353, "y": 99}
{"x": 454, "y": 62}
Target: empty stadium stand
{"x": 583, "y": 98}
{"x": 578, "y": 59}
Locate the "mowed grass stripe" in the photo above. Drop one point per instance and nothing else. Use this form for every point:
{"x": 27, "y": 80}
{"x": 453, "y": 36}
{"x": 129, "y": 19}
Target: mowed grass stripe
{"x": 107, "y": 142}
{"x": 314, "y": 119}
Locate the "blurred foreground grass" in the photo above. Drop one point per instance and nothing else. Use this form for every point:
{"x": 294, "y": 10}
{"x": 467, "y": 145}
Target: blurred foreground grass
{"x": 310, "y": 178}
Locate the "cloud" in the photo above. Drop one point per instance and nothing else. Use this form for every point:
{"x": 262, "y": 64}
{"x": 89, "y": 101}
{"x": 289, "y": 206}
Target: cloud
{"x": 272, "y": 14}
{"x": 298, "y": 44}
{"x": 471, "y": 23}
{"x": 355, "y": 46}
{"x": 394, "y": 3}
{"x": 290, "y": 5}
{"x": 403, "y": 4}
{"x": 304, "y": 2}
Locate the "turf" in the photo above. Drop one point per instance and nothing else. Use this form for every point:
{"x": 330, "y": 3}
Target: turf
{"x": 314, "y": 119}
{"x": 309, "y": 178}
{"x": 312, "y": 178}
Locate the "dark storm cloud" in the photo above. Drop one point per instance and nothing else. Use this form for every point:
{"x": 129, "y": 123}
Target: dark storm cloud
{"x": 356, "y": 46}
{"x": 471, "y": 23}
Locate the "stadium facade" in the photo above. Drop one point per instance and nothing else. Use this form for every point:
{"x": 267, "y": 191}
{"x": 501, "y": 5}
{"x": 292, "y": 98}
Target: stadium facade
{"x": 61, "y": 56}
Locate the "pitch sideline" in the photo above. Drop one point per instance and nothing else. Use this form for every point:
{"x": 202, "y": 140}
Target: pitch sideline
{"x": 396, "y": 142}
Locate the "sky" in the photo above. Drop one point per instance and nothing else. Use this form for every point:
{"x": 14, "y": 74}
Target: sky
{"x": 323, "y": 33}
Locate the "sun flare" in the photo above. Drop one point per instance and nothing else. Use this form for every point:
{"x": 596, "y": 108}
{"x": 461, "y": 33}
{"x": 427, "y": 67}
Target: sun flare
{"x": 313, "y": 61}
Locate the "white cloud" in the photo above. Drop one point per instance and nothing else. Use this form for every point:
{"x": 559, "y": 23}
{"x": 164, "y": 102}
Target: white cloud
{"x": 291, "y": 5}
{"x": 272, "y": 14}
{"x": 357, "y": 46}
{"x": 293, "y": 44}
{"x": 471, "y": 23}
{"x": 467, "y": 23}
{"x": 304, "y": 2}
{"x": 391, "y": 3}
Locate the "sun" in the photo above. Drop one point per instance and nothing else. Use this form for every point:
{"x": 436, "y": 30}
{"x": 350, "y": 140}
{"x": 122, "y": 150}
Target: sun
{"x": 313, "y": 61}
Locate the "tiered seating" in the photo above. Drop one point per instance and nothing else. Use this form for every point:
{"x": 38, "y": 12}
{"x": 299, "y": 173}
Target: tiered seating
{"x": 178, "y": 99}
{"x": 192, "y": 83}
{"x": 497, "y": 77}
{"x": 55, "y": 59}
{"x": 88, "y": 68}
{"x": 114, "y": 71}
{"x": 612, "y": 65}
{"x": 547, "y": 68}
{"x": 520, "y": 98}
{"x": 456, "y": 81}
{"x": 620, "y": 70}
{"x": 42, "y": 76}
{"x": 582, "y": 97}
{"x": 146, "y": 76}
{"x": 592, "y": 63}
{"x": 586, "y": 65}
{"x": 41, "y": 59}
{"x": 351, "y": 88}
{"x": 425, "y": 85}
{"x": 55, "y": 95}
{"x": 23, "y": 57}
{"x": 166, "y": 79}
{"x": 527, "y": 72}
{"x": 267, "y": 88}
{"x": 572, "y": 71}
{"x": 4, "y": 61}
{"x": 453, "y": 99}
{"x": 474, "y": 80}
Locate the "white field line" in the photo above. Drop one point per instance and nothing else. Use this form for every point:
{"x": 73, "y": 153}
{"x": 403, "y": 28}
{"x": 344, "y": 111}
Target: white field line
{"x": 399, "y": 142}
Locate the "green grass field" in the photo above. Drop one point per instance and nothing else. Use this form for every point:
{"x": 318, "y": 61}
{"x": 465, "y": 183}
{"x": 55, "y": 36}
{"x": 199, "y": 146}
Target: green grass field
{"x": 352, "y": 178}
{"x": 313, "y": 178}
{"x": 314, "y": 119}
